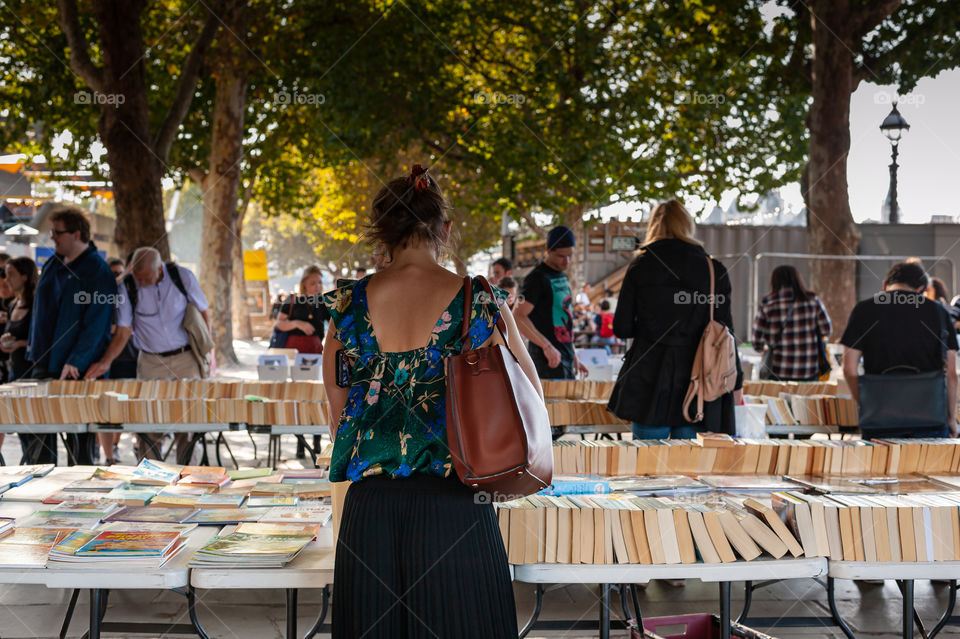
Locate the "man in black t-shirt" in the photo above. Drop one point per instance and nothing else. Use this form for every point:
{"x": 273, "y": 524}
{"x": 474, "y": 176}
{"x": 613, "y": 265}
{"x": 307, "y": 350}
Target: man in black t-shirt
{"x": 544, "y": 314}
{"x": 900, "y": 330}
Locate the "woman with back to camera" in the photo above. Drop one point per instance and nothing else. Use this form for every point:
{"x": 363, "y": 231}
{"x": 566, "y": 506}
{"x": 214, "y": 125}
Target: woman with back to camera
{"x": 789, "y": 325}
{"x": 664, "y": 306}
{"x": 417, "y": 555}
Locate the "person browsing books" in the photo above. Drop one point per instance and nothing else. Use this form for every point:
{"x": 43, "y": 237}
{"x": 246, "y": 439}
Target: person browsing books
{"x": 151, "y": 312}
{"x": 790, "y": 322}
{"x": 664, "y": 306}
{"x": 909, "y": 352}
{"x": 417, "y": 554}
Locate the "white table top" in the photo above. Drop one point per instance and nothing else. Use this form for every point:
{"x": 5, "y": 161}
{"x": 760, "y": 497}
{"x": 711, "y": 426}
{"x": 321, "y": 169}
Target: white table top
{"x": 313, "y": 568}
{"x": 756, "y": 570}
{"x": 290, "y": 429}
{"x": 173, "y": 574}
{"x": 40, "y": 487}
{"x": 43, "y": 428}
{"x": 894, "y": 570}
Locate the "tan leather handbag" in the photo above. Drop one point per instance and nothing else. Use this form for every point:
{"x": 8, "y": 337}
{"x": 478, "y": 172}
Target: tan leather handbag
{"x": 714, "y": 371}
{"x": 498, "y": 429}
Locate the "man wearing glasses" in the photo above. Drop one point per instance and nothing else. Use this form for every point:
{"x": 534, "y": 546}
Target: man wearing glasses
{"x": 152, "y": 312}
{"x": 72, "y": 311}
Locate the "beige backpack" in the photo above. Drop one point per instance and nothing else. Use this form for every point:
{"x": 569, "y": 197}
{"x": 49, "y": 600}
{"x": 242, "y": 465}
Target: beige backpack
{"x": 714, "y": 370}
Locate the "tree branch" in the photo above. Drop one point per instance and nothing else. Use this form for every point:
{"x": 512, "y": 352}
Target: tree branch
{"x": 196, "y": 174}
{"x": 185, "y": 89}
{"x": 80, "y": 60}
{"x": 870, "y": 15}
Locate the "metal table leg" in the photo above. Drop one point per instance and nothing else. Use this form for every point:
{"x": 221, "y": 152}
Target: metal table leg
{"x": 69, "y": 616}
{"x": 96, "y": 599}
{"x": 908, "y": 608}
{"x": 536, "y": 613}
{"x": 605, "y": 611}
{"x": 291, "y": 613}
{"x": 832, "y": 601}
{"x": 747, "y": 600}
{"x": 724, "y": 610}
{"x": 951, "y": 602}
{"x": 192, "y": 607}
{"x": 323, "y": 614}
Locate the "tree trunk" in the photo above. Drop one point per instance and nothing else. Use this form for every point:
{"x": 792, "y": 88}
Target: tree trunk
{"x": 124, "y": 128}
{"x": 221, "y": 186}
{"x": 242, "y": 327}
{"x": 830, "y": 227}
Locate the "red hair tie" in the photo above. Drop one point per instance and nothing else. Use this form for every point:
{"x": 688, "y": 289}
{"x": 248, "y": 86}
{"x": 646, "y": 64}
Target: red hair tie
{"x": 418, "y": 178}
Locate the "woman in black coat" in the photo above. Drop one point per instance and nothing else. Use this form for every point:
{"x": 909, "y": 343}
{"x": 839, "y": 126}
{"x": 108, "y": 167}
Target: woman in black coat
{"x": 663, "y": 306}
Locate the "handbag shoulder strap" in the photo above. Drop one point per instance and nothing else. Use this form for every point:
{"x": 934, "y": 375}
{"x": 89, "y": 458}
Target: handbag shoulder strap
{"x": 467, "y": 308}
{"x": 710, "y": 300}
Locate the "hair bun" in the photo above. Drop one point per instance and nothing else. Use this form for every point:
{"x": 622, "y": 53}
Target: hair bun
{"x": 418, "y": 178}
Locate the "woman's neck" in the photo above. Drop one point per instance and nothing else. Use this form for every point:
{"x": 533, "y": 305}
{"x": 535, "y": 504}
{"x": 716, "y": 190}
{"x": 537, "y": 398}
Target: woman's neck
{"x": 419, "y": 255}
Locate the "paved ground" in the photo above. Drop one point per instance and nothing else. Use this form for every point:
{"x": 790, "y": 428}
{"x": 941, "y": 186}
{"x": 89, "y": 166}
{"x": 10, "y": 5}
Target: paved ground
{"x": 37, "y": 612}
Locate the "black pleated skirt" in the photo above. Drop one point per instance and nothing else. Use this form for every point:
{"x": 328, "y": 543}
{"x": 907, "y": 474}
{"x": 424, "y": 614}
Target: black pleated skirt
{"x": 417, "y": 557}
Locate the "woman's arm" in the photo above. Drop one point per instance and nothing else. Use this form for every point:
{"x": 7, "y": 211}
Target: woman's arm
{"x": 760, "y": 326}
{"x": 336, "y": 396}
{"x": 823, "y": 320}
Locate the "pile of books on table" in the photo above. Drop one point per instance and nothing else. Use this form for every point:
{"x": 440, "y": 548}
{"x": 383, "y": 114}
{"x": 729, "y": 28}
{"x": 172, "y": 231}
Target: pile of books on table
{"x": 257, "y": 545}
{"x": 162, "y": 401}
{"x": 721, "y": 454}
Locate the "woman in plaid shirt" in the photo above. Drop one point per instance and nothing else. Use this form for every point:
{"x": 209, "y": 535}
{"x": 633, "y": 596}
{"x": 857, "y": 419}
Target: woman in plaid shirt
{"x": 790, "y": 321}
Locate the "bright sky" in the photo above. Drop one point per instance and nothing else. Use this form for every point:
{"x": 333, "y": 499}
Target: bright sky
{"x": 927, "y": 181}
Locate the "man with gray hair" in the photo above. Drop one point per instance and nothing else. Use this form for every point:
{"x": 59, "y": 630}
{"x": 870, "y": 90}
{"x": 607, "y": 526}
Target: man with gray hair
{"x": 152, "y": 312}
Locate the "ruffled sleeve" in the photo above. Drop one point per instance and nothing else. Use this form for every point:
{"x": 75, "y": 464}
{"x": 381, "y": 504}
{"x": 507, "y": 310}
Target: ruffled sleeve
{"x": 485, "y": 312}
{"x": 339, "y": 303}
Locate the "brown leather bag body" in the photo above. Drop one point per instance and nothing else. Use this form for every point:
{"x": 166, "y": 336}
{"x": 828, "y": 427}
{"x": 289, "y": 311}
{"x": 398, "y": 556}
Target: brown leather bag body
{"x": 498, "y": 429}
{"x": 714, "y": 372}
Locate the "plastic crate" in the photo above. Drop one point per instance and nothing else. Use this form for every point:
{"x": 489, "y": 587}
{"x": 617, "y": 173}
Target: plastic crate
{"x": 693, "y": 626}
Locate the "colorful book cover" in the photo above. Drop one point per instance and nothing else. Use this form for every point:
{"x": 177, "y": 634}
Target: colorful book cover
{"x": 261, "y": 528}
{"x": 303, "y": 473}
{"x": 149, "y": 526}
{"x": 237, "y": 543}
{"x": 272, "y": 501}
{"x": 133, "y": 496}
{"x": 73, "y": 542}
{"x": 38, "y": 536}
{"x": 156, "y": 473}
{"x": 23, "y": 555}
{"x": 153, "y": 514}
{"x": 95, "y": 485}
{"x": 224, "y": 516}
{"x": 129, "y": 543}
{"x": 50, "y": 519}
{"x": 221, "y": 501}
{"x": 99, "y": 509}
{"x": 273, "y": 488}
{"x": 249, "y": 473}
{"x": 193, "y": 470}
{"x": 204, "y": 479}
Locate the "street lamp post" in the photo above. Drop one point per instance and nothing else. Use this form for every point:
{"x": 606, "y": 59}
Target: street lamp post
{"x": 893, "y": 126}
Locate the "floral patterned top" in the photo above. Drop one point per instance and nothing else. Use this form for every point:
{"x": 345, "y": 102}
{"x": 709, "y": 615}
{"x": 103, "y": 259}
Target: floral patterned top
{"x": 394, "y": 420}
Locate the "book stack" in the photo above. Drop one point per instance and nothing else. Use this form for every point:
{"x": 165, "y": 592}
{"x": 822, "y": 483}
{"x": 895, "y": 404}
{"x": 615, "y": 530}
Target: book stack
{"x": 878, "y": 528}
{"x": 756, "y": 456}
{"x": 146, "y": 548}
{"x": 624, "y": 528}
{"x": 28, "y": 547}
{"x": 576, "y": 389}
{"x": 163, "y": 401}
{"x": 818, "y": 410}
{"x": 775, "y": 389}
{"x": 584, "y": 412}
{"x": 252, "y": 549}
